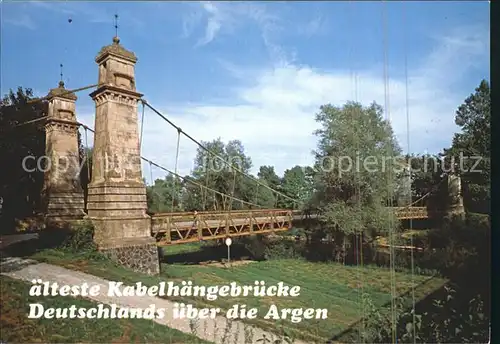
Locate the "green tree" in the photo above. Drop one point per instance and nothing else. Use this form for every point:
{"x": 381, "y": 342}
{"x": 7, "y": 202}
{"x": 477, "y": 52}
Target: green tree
{"x": 193, "y": 195}
{"x": 262, "y": 196}
{"x": 421, "y": 180}
{"x": 297, "y": 183}
{"x": 166, "y": 195}
{"x": 355, "y": 171}
{"x": 268, "y": 174}
{"x": 428, "y": 181}
{"x": 214, "y": 171}
{"x": 21, "y": 137}
{"x": 473, "y": 145}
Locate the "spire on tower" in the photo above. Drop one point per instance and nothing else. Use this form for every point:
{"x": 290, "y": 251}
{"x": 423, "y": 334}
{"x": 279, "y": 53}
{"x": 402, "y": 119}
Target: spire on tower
{"x": 61, "y": 82}
{"x": 116, "y": 25}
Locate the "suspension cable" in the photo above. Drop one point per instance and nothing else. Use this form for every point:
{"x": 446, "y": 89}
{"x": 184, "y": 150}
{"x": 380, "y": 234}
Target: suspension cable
{"x": 41, "y": 99}
{"x": 145, "y": 103}
{"x": 218, "y": 156}
{"x": 183, "y": 178}
{"x": 30, "y": 121}
{"x": 189, "y": 180}
{"x": 34, "y": 100}
{"x": 433, "y": 189}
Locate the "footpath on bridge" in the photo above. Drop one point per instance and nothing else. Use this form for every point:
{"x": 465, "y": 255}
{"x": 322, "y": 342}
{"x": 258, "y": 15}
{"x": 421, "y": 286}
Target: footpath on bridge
{"x": 218, "y": 330}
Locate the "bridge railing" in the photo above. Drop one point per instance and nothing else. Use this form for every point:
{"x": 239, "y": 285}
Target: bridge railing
{"x": 171, "y": 228}
{"x": 401, "y": 213}
{"x": 406, "y": 213}
{"x": 305, "y": 214}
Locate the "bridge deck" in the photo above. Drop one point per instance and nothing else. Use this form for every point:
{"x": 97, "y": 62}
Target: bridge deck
{"x": 170, "y": 228}
{"x": 177, "y": 228}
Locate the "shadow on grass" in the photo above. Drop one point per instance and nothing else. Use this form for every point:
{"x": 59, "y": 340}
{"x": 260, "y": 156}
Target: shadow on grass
{"x": 454, "y": 309}
{"x": 49, "y": 238}
{"x": 207, "y": 253}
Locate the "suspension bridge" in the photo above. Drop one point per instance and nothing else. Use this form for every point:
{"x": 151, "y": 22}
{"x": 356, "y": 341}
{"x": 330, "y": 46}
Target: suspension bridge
{"x": 183, "y": 227}
{"x": 116, "y": 200}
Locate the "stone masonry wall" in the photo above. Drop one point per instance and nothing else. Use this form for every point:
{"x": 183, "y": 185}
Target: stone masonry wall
{"x": 136, "y": 255}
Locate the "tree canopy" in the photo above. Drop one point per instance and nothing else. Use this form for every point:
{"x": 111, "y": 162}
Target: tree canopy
{"x": 470, "y": 151}
{"x": 358, "y": 168}
{"x": 355, "y": 168}
{"x": 22, "y": 144}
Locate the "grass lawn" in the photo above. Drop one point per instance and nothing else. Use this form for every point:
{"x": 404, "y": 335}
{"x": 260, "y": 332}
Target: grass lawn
{"x": 332, "y": 286}
{"x": 17, "y": 328}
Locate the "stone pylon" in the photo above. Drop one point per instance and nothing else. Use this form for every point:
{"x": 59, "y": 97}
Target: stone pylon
{"x": 116, "y": 201}
{"x": 63, "y": 194}
{"x": 456, "y": 205}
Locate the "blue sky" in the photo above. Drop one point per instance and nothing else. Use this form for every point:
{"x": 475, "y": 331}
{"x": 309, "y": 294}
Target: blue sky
{"x": 258, "y": 71}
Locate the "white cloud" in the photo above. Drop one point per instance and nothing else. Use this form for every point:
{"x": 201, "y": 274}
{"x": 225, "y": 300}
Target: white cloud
{"x": 22, "y": 20}
{"x": 227, "y": 17}
{"x": 214, "y": 22}
{"x": 315, "y": 26}
{"x": 189, "y": 22}
{"x": 62, "y": 8}
{"x": 273, "y": 114}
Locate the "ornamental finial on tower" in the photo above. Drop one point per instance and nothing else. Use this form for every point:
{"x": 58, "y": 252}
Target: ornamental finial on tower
{"x": 115, "y": 48}
{"x": 116, "y": 39}
{"x": 61, "y": 82}
{"x": 60, "y": 91}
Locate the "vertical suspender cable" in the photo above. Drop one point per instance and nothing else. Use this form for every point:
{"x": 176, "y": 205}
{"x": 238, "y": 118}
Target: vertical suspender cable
{"x": 361, "y": 238}
{"x": 217, "y": 156}
{"x": 256, "y": 195}
{"x": 152, "y": 183}
{"x": 174, "y": 186}
{"x": 407, "y": 101}
{"x": 389, "y": 181}
{"x": 151, "y": 174}
{"x": 86, "y": 156}
{"x": 232, "y": 191}
{"x": 205, "y": 194}
{"x": 356, "y": 236}
{"x": 142, "y": 126}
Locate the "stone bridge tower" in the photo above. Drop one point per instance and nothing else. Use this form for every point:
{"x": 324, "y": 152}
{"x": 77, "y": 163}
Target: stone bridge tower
{"x": 117, "y": 193}
{"x": 456, "y": 205}
{"x": 62, "y": 191}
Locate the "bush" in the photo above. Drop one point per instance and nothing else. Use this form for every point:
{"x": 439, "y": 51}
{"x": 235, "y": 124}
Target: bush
{"x": 459, "y": 312}
{"x": 283, "y": 249}
{"x": 80, "y": 238}
{"x": 447, "y": 321}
